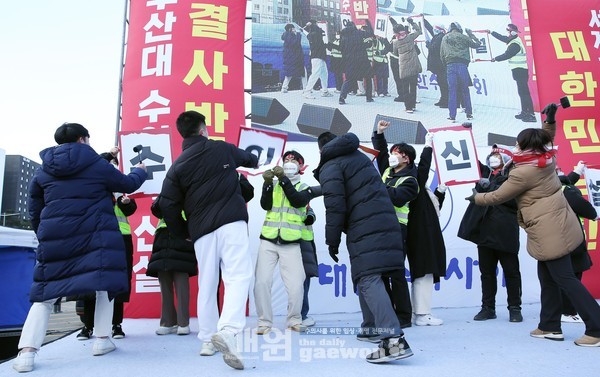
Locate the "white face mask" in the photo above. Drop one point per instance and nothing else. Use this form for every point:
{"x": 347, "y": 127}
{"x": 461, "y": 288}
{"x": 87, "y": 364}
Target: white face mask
{"x": 512, "y": 33}
{"x": 495, "y": 162}
{"x": 290, "y": 169}
{"x": 393, "y": 160}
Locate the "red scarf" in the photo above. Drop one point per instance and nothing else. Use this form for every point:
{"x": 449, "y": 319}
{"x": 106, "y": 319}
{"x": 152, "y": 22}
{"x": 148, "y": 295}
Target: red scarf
{"x": 533, "y": 158}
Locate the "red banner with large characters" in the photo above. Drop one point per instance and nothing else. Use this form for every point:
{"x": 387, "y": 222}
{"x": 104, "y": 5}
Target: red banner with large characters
{"x": 360, "y": 10}
{"x": 567, "y": 53}
{"x": 181, "y": 55}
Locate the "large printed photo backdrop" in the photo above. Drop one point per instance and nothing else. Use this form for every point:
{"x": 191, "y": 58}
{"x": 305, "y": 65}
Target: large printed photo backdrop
{"x": 495, "y": 102}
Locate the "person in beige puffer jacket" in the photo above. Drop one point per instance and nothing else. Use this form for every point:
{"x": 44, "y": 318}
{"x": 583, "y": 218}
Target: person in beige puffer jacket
{"x": 552, "y": 228}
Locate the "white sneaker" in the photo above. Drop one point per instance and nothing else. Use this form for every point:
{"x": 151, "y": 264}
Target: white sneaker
{"x": 24, "y": 362}
{"x": 103, "y": 346}
{"x": 571, "y": 318}
{"x": 326, "y": 94}
{"x": 337, "y": 91}
{"x": 284, "y": 90}
{"x": 427, "y": 320}
{"x": 166, "y": 330}
{"x": 308, "y": 95}
{"x": 183, "y": 330}
{"x": 308, "y": 321}
{"x": 208, "y": 349}
{"x": 224, "y": 342}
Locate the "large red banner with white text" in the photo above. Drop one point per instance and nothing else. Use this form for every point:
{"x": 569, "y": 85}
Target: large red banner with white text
{"x": 180, "y": 56}
{"x": 566, "y": 55}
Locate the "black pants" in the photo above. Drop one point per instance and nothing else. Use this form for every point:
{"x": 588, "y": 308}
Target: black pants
{"x": 556, "y": 275}
{"x": 408, "y": 86}
{"x": 521, "y": 76}
{"x": 395, "y": 68}
{"x": 567, "y": 305}
{"x": 397, "y": 288}
{"x": 349, "y": 84}
{"x": 488, "y": 262}
{"x": 442, "y": 80}
{"x": 89, "y": 306}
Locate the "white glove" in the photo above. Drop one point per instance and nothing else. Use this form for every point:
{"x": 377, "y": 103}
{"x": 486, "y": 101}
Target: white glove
{"x": 442, "y": 188}
{"x": 579, "y": 168}
{"x": 429, "y": 140}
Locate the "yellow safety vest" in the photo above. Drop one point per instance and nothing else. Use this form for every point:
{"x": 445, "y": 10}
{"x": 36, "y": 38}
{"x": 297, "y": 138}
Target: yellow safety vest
{"x": 283, "y": 219}
{"x": 124, "y": 226}
{"x": 370, "y": 49}
{"x": 520, "y": 59}
{"x": 307, "y": 231}
{"x": 401, "y": 212}
{"x": 380, "y": 58}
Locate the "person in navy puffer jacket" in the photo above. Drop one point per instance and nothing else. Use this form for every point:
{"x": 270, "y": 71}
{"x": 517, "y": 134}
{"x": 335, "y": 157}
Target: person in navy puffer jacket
{"x": 81, "y": 249}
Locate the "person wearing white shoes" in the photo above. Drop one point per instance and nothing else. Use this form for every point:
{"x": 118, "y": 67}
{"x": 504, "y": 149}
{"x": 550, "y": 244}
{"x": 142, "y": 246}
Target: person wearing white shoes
{"x": 204, "y": 183}
{"x": 553, "y": 230}
{"x": 426, "y": 248}
{"x": 285, "y": 201}
{"x": 318, "y": 61}
{"x": 80, "y": 247}
{"x": 173, "y": 261}
{"x": 580, "y": 257}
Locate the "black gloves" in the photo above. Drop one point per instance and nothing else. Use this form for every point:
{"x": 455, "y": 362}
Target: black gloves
{"x": 268, "y": 177}
{"x": 550, "y": 112}
{"x": 278, "y": 171}
{"x": 333, "y": 252}
{"x": 310, "y": 219}
{"x": 471, "y": 197}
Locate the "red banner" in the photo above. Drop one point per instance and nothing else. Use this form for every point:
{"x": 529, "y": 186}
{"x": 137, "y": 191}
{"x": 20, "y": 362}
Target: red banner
{"x": 567, "y": 54}
{"x": 360, "y": 10}
{"x": 180, "y": 56}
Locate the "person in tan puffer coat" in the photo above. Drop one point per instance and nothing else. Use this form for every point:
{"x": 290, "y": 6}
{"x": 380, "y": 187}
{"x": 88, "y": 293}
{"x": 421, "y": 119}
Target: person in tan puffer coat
{"x": 552, "y": 228}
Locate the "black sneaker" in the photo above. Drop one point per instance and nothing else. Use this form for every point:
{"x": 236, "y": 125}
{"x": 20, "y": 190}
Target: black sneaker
{"x": 85, "y": 334}
{"x": 514, "y": 314}
{"x": 117, "y": 332}
{"x": 519, "y": 116}
{"x": 390, "y": 349}
{"x": 342, "y": 101}
{"x": 485, "y": 314}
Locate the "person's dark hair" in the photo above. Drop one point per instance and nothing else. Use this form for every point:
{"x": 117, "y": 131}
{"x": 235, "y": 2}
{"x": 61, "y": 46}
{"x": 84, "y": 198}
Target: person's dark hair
{"x": 297, "y": 156}
{"x": 70, "y": 133}
{"x": 398, "y": 28}
{"x": 405, "y": 149}
{"x": 189, "y": 123}
{"x": 289, "y": 27}
{"x": 534, "y": 139}
{"x": 325, "y": 138}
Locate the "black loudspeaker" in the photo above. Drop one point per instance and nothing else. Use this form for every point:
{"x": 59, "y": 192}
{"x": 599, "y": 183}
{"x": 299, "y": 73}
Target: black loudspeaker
{"x": 501, "y": 139}
{"x": 402, "y": 130}
{"x": 268, "y": 111}
{"x": 314, "y": 120}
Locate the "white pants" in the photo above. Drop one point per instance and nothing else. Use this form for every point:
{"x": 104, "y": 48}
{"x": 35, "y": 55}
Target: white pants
{"x": 286, "y": 81}
{"x": 289, "y": 257}
{"x": 319, "y": 71}
{"x": 36, "y": 324}
{"x": 422, "y": 290}
{"x": 225, "y": 248}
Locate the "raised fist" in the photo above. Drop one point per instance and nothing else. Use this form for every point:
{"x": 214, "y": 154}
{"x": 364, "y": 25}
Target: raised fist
{"x": 278, "y": 171}
{"x": 550, "y": 112}
{"x": 268, "y": 176}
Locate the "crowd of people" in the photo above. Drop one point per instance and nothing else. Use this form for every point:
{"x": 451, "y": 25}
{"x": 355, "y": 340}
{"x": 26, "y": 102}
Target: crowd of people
{"x": 388, "y": 214}
{"x": 361, "y": 62}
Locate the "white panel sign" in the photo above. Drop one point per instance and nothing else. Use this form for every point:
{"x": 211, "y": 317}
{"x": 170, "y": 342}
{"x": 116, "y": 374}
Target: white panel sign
{"x": 154, "y": 148}
{"x": 268, "y": 146}
{"x": 455, "y": 155}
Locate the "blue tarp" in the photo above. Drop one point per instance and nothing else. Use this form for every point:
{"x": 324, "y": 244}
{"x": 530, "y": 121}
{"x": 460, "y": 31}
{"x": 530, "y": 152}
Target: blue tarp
{"x": 17, "y": 258}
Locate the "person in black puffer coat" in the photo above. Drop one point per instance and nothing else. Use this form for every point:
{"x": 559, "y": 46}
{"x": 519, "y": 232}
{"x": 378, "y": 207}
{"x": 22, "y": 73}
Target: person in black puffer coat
{"x": 357, "y": 203}
{"x": 495, "y": 231}
{"x": 580, "y": 258}
{"x": 173, "y": 261}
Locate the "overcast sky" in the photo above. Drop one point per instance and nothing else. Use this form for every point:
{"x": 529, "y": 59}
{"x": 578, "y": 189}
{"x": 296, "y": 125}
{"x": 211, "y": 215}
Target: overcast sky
{"x": 60, "y": 63}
